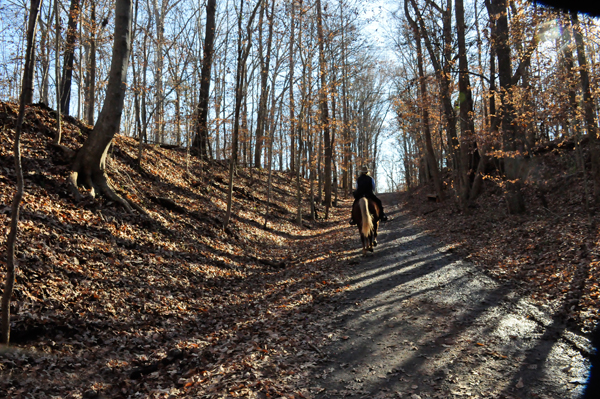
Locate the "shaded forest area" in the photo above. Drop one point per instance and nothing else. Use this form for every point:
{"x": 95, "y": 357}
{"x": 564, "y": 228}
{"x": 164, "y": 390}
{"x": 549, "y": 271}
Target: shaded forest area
{"x": 550, "y": 251}
{"x": 109, "y": 303}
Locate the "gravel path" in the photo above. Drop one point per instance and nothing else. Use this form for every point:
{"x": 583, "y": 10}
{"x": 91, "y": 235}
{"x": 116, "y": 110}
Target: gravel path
{"x": 417, "y": 322}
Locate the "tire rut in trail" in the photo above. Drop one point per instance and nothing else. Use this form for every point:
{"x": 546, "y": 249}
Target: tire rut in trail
{"x": 418, "y": 322}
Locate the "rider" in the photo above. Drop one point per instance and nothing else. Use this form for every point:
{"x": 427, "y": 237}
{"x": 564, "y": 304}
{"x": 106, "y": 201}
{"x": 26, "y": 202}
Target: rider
{"x": 365, "y": 185}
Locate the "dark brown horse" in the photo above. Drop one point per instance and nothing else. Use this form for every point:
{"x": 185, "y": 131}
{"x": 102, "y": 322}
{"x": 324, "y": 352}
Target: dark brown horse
{"x": 366, "y": 214}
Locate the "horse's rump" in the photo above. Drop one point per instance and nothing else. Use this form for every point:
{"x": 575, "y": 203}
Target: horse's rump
{"x": 365, "y": 213}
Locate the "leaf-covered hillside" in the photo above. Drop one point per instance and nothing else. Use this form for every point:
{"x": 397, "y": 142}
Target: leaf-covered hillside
{"x": 114, "y": 304}
{"x": 551, "y": 251}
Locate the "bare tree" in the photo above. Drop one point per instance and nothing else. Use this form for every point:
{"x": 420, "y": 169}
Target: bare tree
{"x": 69, "y": 56}
{"x": 58, "y": 135}
{"x": 201, "y": 139}
{"x": 292, "y": 111}
{"x": 90, "y": 92}
{"x": 89, "y": 166}
{"x": 430, "y": 156}
{"x": 261, "y": 120}
{"x": 242, "y": 56}
{"x": 324, "y": 108}
{"x": 9, "y": 281}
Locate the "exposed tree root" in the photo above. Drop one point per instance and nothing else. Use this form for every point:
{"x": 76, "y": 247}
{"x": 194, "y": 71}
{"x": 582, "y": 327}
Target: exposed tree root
{"x": 99, "y": 185}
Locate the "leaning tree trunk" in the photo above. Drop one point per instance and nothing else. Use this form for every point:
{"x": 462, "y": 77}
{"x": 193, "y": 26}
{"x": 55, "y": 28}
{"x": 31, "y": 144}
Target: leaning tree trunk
{"x": 14, "y": 222}
{"x": 89, "y": 167}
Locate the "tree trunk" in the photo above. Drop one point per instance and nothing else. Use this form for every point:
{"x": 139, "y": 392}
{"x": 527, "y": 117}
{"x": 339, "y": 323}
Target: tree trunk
{"x": 29, "y": 69}
{"x": 300, "y": 129}
{"x": 201, "y": 140}
{"x": 513, "y": 159}
{"x": 568, "y": 65}
{"x": 467, "y": 125}
{"x": 292, "y": 105}
{"x": 312, "y": 169}
{"x": 261, "y": 121}
{"x": 270, "y": 149}
{"x": 91, "y": 77}
{"x": 89, "y": 167}
{"x": 9, "y": 281}
{"x": 58, "y": 136}
{"x": 589, "y": 106}
{"x": 144, "y": 114}
{"x": 69, "y": 57}
{"x": 159, "y": 114}
{"x": 430, "y": 156}
{"x": 324, "y": 108}
{"x": 243, "y": 53}
{"x": 45, "y": 55}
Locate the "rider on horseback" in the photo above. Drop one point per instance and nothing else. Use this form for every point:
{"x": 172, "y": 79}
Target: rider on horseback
{"x": 365, "y": 185}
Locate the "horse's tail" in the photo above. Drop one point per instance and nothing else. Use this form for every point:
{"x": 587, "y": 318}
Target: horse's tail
{"x": 367, "y": 223}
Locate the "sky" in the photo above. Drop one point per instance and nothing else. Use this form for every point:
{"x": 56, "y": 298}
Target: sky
{"x": 379, "y": 26}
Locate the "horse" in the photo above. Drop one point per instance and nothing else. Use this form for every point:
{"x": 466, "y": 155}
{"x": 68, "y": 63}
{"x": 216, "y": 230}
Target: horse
{"x": 366, "y": 214}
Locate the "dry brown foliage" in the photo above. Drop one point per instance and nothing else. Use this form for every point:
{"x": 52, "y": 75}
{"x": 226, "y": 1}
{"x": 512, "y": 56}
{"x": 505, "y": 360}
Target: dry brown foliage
{"x": 551, "y": 251}
{"x": 113, "y": 304}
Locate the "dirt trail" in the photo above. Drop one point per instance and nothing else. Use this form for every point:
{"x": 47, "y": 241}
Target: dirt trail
{"x": 417, "y": 322}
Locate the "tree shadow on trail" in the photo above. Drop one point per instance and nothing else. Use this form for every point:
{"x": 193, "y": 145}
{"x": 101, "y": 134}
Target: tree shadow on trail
{"x": 417, "y": 320}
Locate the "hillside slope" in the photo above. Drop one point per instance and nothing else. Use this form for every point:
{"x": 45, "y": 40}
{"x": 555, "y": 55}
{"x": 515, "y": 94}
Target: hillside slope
{"x": 112, "y": 304}
{"x": 551, "y": 251}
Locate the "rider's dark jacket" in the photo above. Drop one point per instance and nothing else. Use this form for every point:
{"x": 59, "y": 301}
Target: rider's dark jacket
{"x": 365, "y": 185}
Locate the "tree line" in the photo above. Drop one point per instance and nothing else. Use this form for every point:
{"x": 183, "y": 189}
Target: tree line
{"x": 306, "y": 71}
{"x": 481, "y": 88}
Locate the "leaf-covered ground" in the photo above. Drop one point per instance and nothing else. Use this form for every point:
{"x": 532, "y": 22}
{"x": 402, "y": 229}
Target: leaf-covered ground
{"x": 551, "y": 250}
{"x": 111, "y": 304}
{"x": 117, "y": 305}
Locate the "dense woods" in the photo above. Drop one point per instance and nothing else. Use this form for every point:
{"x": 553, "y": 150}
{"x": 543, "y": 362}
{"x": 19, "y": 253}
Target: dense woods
{"x": 445, "y": 95}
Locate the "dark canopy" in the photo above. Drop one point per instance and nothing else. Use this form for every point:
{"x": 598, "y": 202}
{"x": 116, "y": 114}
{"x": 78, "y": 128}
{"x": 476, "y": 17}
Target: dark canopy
{"x": 590, "y": 7}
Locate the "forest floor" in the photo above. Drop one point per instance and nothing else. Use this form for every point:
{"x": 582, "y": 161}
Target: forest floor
{"x": 119, "y": 305}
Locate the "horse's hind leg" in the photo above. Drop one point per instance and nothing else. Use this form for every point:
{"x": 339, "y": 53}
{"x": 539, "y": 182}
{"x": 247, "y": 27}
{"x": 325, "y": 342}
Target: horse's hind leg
{"x": 364, "y": 239}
